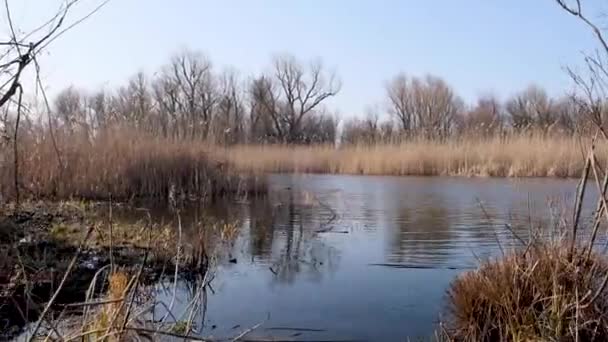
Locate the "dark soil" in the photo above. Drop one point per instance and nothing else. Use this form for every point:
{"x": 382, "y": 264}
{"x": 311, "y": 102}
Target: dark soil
{"x": 34, "y": 258}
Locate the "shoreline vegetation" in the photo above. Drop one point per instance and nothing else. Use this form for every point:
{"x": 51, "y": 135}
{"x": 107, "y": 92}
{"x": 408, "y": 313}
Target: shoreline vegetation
{"x": 71, "y": 271}
{"x": 122, "y": 163}
{"x": 187, "y": 132}
{"x": 510, "y": 156}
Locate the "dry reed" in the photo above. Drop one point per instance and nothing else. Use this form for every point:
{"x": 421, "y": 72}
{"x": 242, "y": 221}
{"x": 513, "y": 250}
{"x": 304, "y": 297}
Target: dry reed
{"x": 512, "y": 156}
{"x": 122, "y": 163}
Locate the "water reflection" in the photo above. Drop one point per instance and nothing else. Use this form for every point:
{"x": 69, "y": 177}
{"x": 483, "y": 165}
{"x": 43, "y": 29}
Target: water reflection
{"x": 280, "y": 233}
{"x": 420, "y": 232}
{"x": 304, "y": 253}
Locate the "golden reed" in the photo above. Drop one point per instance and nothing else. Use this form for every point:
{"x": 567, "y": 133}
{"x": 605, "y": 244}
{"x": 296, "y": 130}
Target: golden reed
{"x": 120, "y": 163}
{"x": 513, "y": 156}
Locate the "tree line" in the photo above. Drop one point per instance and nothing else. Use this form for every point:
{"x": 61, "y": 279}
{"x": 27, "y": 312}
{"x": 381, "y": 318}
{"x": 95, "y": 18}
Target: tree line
{"x": 188, "y": 98}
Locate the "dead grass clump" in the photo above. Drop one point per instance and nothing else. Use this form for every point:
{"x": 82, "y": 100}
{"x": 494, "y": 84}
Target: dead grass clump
{"x": 112, "y": 314}
{"x": 540, "y": 294}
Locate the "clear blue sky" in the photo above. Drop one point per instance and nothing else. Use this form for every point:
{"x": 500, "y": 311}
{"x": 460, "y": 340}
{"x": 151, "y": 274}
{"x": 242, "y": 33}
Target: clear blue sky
{"x": 477, "y": 46}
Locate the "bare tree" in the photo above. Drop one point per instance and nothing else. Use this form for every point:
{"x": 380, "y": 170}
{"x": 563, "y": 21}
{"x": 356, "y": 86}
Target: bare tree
{"x": 69, "y": 107}
{"x": 166, "y": 94}
{"x": 428, "y": 105}
{"x": 133, "y": 103}
{"x": 371, "y": 124}
{"x": 485, "y": 118}
{"x": 531, "y": 108}
{"x": 569, "y": 116}
{"x": 295, "y": 92}
{"x": 402, "y": 102}
{"x": 319, "y": 127}
{"x": 99, "y": 105}
{"x": 192, "y": 73}
{"x": 230, "y": 108}
{"x": 263, "y": 103}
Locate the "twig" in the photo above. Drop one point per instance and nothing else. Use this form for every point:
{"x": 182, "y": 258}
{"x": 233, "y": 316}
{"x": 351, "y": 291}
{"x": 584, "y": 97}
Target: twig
{"x": 334, "y": 215}
{"x": 601, "y": 204}
{"x": 578, "y": 12}
{"x": 139, "y": 273}
{"x": 168, "y": 333}
{"x": 89, "y": 295}
{"x": 177, "y": 261}
{"x": 100, "y": 302}
{"x": 61, "y": 284}
{"x": 507, "y": 226}
{"x": 16, "y": 146}
{"x": 579, "y": 203}
{"x": 111, "y": 237}
{"x": 295, "y": 329}
{"x": 48, "y": 114}
{"x": 247, "y": 331}
{"x": 502, "y": 251}
{"x": 12, "y": 28}
{"x": 77, "y": 22}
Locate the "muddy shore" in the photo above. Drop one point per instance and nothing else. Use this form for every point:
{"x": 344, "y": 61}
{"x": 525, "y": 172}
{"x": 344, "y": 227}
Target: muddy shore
{"x": 38, "y": 241}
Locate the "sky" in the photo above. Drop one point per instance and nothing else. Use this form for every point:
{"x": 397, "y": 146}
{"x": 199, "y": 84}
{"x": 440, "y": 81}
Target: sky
{"x": 477, "y": 46}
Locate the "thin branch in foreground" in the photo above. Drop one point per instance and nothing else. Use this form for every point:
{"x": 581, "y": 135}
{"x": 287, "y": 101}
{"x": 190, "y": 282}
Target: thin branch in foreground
{"x": 62, "y": 283}
{"x": 16, "y": 146}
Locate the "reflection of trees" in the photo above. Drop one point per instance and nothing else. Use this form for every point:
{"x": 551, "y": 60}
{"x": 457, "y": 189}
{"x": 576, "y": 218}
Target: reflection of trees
{"x": 297, "y": 248}
{"x": 422, "y": 235}
{"x": 261, "y": 228}
{"x": 281, "y": 232}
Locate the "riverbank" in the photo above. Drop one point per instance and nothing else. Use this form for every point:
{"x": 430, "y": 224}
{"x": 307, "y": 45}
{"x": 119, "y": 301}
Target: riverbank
{"x": 57, "y": 257}
{"x": 511, "y": 156}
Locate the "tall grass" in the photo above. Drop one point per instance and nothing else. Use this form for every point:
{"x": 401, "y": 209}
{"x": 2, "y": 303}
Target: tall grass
{"x": 511, "y": 156}
{"x": 126, "y": 163}
{"x": 121, "y": 163}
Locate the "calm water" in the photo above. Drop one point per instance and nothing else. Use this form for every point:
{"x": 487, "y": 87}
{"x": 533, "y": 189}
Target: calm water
{"x": 364, "y": 257}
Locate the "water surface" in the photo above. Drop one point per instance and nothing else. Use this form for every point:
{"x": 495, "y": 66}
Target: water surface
{"x": 362, "y": 257}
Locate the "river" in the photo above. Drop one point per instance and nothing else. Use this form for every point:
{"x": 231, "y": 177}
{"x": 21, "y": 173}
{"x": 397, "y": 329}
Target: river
{"x": 362, "y": 257}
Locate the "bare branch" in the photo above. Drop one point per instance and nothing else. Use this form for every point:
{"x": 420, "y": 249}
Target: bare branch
{"x": 578, "y": 12}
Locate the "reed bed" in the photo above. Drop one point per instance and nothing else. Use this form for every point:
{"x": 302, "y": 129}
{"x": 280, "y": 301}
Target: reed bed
{"x": 119, "y": 163}
{"x": 511, "y": 156}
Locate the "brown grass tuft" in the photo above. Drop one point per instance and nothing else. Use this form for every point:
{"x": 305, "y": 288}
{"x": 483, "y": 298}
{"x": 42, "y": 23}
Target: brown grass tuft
{"x": 542, "y": 294}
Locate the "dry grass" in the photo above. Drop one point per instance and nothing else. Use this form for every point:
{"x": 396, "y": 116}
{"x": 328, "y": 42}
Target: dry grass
{"x": 121, "y": 163}
{"x": 111, "y": 314}
{"x": 543, "y": 295}
{"x": 514, "y": 156}
{"x": 124, "y": 163}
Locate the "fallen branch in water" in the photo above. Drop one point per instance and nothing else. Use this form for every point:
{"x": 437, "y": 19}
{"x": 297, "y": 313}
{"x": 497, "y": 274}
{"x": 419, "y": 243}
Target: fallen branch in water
{"x": 61, "y": 284}
{"x": 429, "y": 267}
{"x": 247, "y": 331}
{"x": 324, "y": 227}
{"x": 296, "y": 329}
